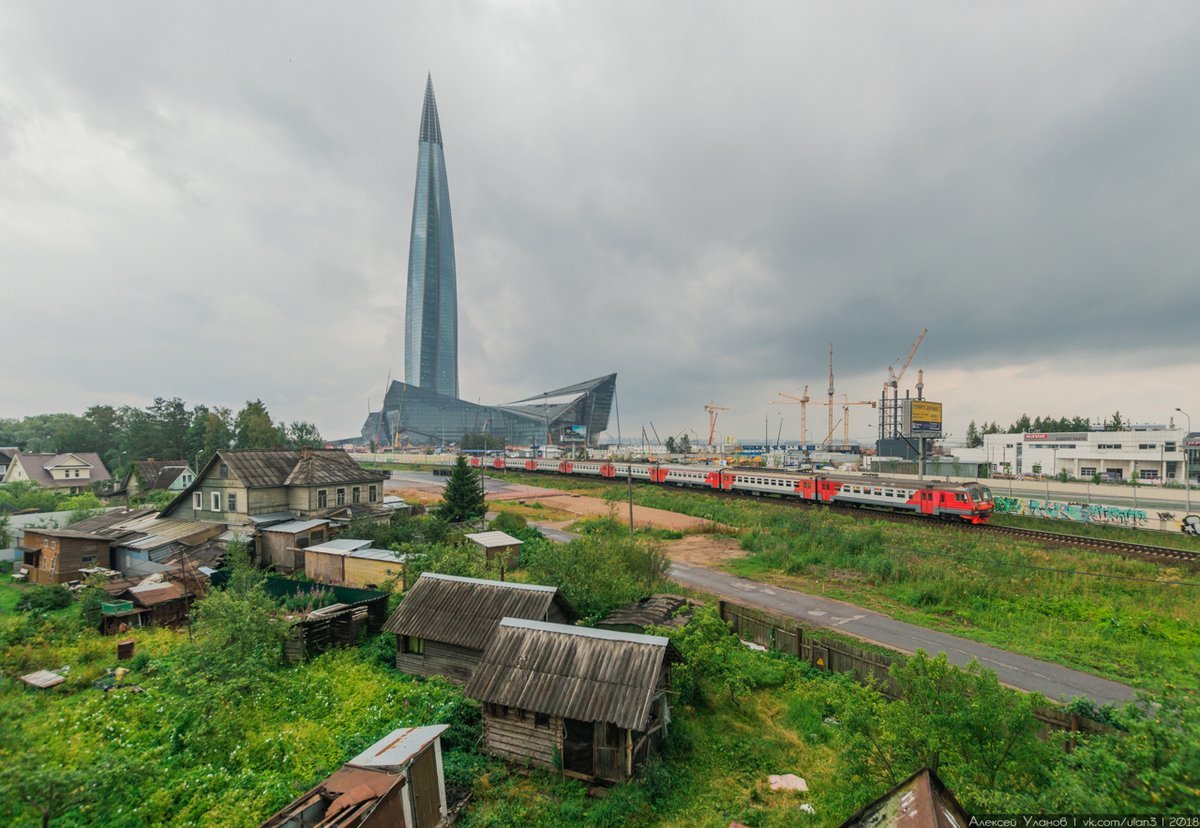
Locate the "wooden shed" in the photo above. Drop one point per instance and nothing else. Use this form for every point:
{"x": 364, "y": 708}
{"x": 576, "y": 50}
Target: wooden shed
{"x": 498, "y": 545}
{"x": 56, "y": 556}
{"x": 445, "y": 622}
{"x": 396, "y": 783}
{"x": 282, "y": 545}
{"x": 352, "y": 562}
{"x": 596, "y": 700}
{"x": 324, "y": 562}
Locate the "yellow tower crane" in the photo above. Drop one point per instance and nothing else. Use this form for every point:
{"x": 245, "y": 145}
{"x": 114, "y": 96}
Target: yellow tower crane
{"x": 802, "y": 401}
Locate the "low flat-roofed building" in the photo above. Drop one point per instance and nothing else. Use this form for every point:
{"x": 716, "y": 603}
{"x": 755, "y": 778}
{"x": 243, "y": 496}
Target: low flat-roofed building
{"x": 496, "y": 544}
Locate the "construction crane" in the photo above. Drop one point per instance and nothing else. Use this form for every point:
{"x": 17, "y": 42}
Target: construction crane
{"x": 846, "y": 416}
{"x": 713, "y": 410}
{"x": 803, "y": 402}
{"x": 829, "y": 437}
{"x": 889, "y": 411}
{"x": 893, "y": 377}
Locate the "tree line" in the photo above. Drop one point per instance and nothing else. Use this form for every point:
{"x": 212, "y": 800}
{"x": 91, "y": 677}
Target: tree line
{"x": 1038, "y": 425}
{"x": 167, "y": 429}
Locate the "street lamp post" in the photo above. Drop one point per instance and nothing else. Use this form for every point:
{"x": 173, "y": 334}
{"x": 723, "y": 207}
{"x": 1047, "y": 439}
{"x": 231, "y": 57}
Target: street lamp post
{"x": 1187, "y": 480}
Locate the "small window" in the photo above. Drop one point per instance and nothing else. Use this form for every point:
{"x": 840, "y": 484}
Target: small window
{"x": 414, "y": 645}
{"x": 231, "y": 499}
{"x": 322, "y": 498}
{"x": 340, "y": 495}
{"x": 541, "y": 719}
{"x": 197, "y": 500}
{"x": 88, "y": 560}
{"x": 356, "y": 495}
{"x": 77, "y": 472}
{"x": 216, "y": 501}
{"x": 371, "y": 494}
{"x": 224, "y": 470}
{"x": 318, "y": 535}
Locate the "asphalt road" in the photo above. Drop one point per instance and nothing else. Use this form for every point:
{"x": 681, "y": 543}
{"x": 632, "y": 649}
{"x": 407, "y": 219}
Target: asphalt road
{"x": 1022, "y": 672}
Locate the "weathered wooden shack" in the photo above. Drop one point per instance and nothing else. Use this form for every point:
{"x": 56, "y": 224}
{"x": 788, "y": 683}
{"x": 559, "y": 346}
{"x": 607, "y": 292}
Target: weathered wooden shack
{"x": 396, "y": 783}
{"x": 445, "y": 622}
{"x": 56, "y": 556}
{"x": 594, "y": 700}
{"x": 282, "y": 545}
{"x": 500, "y": 546}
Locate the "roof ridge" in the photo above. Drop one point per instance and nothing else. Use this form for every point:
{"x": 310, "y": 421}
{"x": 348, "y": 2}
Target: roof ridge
{"x": 485, "y": 582}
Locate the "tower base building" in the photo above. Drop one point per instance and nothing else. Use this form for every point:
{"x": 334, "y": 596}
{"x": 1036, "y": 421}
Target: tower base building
{"x": 411, "y": 415}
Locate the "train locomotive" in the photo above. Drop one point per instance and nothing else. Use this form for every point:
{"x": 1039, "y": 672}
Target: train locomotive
{"x": 966, "y": 502}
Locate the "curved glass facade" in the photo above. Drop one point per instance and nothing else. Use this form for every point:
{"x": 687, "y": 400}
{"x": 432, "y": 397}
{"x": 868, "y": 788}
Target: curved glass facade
{"x": 431, "y": 309}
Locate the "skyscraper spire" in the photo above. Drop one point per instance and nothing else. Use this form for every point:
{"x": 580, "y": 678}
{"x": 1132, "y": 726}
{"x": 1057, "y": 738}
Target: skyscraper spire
{"x": 431, "y": 128}
{"x": 431, "y": 309}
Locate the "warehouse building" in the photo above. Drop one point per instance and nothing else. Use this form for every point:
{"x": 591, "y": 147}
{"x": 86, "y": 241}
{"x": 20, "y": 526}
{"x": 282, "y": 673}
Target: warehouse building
{"x": 1153, "y": 454}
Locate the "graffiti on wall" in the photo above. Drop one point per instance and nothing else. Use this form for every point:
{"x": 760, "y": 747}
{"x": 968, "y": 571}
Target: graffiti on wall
{"x": 1097, "y": 513}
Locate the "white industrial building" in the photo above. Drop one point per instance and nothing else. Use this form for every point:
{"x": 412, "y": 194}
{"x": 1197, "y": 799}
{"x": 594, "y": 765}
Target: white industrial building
{"x": 1152, "y": 454}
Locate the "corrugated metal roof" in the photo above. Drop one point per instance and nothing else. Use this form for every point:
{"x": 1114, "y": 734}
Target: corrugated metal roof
{"x": 921, "y": 801}
{"x": 491, "y": 540}
{"x": 394, "y": 751}
{"x": 572, "y": 672}
{"x": 163, "y": 531}
{"x": 294, "y": 527}
{"x": 465, "y": 611}
{"x": 149, "y": 595}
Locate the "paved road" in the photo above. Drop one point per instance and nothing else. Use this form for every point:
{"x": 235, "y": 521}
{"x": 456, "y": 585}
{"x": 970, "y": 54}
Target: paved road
{"x": 1014, "y": 670}
{"x": 556, "y": 535}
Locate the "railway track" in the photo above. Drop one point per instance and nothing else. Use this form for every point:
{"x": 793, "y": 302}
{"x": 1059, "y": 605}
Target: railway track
{"x": 1136, "y": 551}
{"x": 1125, "y": 549}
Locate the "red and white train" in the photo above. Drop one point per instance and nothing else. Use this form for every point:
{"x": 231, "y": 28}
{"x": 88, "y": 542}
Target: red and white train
{"x": 969, "y": 502}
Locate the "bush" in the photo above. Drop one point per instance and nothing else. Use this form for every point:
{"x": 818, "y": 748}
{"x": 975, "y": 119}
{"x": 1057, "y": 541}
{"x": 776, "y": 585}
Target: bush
{"x": 44, "y": 599}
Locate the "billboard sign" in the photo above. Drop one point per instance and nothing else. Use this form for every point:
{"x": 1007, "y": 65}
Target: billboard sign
{"x": 574, "y": 434}
{"x": 922, "y": 418}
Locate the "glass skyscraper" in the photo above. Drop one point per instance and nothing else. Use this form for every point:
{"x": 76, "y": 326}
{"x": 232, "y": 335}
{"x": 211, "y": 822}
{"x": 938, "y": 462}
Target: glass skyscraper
{"x": 431, "y": 311}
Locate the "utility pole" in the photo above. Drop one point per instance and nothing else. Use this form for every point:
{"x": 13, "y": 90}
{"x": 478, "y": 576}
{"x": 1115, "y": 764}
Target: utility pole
{"x": 629, "y": 479}
{"x": 829, "y": 445}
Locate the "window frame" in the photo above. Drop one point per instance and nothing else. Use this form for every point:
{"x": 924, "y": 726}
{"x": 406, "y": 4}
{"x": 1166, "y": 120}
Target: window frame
{"x": 198, "y": 500}
{"x": 214, "y": 500}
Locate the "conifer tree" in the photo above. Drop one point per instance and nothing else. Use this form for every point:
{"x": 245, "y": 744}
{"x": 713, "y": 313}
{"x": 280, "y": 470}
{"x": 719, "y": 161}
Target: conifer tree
{"x": 463, "y": 498}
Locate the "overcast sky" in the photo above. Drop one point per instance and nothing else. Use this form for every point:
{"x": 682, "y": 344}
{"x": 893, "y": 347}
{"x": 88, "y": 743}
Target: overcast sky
{"x": 213, "y": 200}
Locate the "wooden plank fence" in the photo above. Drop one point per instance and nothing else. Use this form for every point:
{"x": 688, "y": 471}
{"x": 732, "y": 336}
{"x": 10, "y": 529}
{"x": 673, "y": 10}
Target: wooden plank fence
{"x": 786, "y": 635}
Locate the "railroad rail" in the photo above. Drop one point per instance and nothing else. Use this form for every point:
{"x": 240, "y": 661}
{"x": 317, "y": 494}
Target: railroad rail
{"x": 1125, "y": 549}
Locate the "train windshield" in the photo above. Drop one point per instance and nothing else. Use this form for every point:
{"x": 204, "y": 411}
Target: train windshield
{"x": 982, "y": 494}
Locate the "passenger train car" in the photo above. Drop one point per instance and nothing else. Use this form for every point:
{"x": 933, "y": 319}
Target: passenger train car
{"x": 969, "y": 502}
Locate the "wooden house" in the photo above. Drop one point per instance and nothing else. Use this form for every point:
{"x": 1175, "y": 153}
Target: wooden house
{"x": 921, "y": 801}
{"x": 396, "y": 783}
{"x": 282, "y": 545}
{"x": 445, "y": 622}
{"x": 157, "y": 475}
{"x": 238, "y": 486}
{"x": 56, "y": 556}
{"x": 74, "y": 472}
{"x": 594, "y": 700}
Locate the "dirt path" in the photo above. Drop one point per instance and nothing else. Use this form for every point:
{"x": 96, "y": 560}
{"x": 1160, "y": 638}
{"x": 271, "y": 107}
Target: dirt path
{"x": 643, "y": 516}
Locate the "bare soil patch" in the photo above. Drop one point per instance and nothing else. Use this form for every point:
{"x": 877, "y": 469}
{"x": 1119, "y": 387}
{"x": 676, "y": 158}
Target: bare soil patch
{"x": 705, "y": 550}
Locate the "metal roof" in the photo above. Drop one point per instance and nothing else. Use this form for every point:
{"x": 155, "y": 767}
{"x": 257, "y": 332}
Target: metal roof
{"x": 163, "y": 531}
{"x": 572, "y": 672}
{"x": 294, "y": 527}
{"x": 339, "y": 546}
{"x": 465, "y": 611}
{"x": 491, "y": 540}
{"x": 378, "y": 555}
{"x": 395, "y": 750}
{"x": 271, "y": 517}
